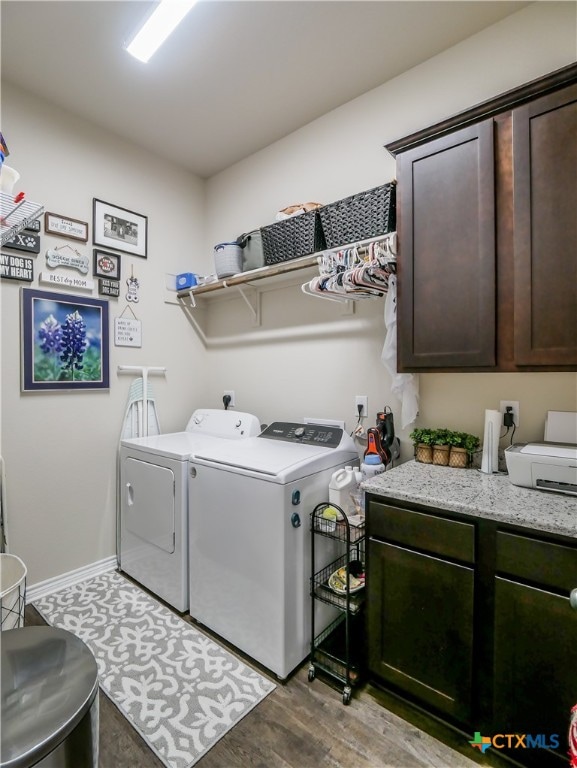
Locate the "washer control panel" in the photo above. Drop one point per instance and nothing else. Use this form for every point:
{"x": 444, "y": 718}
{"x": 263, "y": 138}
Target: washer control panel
{"x": 305, "y": 434}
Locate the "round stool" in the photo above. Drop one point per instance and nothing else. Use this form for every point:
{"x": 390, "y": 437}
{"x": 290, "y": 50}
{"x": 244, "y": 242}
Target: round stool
{"x": 49, "y": 700}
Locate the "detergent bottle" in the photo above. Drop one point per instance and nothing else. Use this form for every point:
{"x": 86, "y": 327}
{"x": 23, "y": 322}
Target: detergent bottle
{"x": 343, "y": 482}
{"x": 372, "y": 463}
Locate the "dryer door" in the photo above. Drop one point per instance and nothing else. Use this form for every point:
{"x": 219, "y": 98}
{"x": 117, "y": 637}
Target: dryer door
{"x": 148, "y": 502}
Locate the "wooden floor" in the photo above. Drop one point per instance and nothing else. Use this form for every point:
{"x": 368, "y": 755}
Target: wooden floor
{"x": 301, "y": 725}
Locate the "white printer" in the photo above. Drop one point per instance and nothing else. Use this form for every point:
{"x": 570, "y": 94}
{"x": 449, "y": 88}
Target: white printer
{"x": 552, "y": 464}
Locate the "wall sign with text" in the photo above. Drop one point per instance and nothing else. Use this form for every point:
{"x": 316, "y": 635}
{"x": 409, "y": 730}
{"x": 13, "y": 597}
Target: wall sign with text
{"x": 16, "y": 267}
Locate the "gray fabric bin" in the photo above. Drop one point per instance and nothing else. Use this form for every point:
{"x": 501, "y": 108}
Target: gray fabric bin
{"x": 252, "y": 252}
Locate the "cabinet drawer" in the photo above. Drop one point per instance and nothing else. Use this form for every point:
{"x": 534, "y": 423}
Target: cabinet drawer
{"x": 419, "y": 530}
{"x": 550, "y": 565}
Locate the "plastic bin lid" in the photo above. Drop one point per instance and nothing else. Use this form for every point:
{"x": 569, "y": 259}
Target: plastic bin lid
{"x": 49, "y": 681}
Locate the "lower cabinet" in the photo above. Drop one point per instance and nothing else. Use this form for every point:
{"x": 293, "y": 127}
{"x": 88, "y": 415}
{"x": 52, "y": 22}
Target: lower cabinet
{"x": 474, "y": 623}
{"x": 425, "y": 644}
{"x": 535, "y": 645}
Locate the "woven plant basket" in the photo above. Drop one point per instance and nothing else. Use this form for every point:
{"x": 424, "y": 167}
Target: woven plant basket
{"x": 424, "y": 453}
{"x": 458, "y": 457}
{"x": 441, "y": 455}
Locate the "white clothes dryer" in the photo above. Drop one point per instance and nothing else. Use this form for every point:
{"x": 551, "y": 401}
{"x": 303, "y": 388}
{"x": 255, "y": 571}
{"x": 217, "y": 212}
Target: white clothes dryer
{"x": 153, "y": 546}
{"x": 249, "y": 536}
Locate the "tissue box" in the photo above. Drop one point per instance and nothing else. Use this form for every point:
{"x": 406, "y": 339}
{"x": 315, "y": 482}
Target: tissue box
{"x": 185, "y": 280}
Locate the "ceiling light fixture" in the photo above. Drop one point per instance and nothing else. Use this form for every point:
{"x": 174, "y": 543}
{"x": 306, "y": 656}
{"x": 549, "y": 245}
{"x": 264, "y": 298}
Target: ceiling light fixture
{"x": 163, "y": 20}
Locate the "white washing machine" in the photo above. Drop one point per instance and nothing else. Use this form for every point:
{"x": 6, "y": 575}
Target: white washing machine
{"x": 153, "y": 546}
{"x": 249, "y": 536}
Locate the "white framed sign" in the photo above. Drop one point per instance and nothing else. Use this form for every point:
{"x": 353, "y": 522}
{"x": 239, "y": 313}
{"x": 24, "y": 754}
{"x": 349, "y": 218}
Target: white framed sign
{"x": 54, "y": 224}
{"x": 66, "y": 281}
{"x": 127, "y": 332}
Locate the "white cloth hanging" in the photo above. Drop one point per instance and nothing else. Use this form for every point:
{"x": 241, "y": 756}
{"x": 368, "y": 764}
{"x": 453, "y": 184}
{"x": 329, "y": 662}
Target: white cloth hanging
{"x": 134, "y": 416}
{"x": 405, "y": 386}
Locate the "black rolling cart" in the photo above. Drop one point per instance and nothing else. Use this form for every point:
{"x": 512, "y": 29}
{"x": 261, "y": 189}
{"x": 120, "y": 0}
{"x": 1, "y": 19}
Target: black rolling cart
{"x": 338, "y": 650}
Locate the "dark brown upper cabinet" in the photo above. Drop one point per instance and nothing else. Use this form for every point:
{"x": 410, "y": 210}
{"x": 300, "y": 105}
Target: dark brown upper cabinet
{"x": 487, "y": 224}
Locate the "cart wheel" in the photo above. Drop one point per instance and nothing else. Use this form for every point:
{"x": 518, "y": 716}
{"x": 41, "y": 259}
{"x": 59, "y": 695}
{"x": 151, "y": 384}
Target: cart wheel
{"x": 311, "y": 673}
{"x": 347, "y": 694}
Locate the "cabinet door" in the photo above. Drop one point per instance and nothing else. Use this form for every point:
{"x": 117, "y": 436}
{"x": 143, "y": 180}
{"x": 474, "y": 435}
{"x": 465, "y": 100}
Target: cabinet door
{"x": 535, "y": 668}
{"x": 545, "y": 213}
{"x": 420, "y": 626}
{"x": 446, "y": 213}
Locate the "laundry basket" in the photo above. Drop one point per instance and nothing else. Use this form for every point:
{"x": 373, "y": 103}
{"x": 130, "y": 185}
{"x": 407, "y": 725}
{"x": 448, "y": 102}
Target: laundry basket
{"x": 12, "y": 591}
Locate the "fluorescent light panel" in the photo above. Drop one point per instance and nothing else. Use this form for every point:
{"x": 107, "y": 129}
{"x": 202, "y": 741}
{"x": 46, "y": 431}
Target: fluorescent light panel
{"x": 164, "y": 19}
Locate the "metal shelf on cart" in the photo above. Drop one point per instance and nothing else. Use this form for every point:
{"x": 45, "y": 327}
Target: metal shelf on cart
{"x": 330, "y": 651}
{"x": 322, "y": 590}
{"x": 338, "y": 530}
{"x": 16, "y": 216}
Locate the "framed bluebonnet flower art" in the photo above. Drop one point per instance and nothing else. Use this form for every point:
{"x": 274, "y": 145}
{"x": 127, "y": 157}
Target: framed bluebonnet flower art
{"x": 65, "y": 342}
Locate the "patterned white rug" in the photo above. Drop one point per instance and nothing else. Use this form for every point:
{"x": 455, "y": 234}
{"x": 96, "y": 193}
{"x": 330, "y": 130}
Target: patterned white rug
{"x": 177, "y": 687}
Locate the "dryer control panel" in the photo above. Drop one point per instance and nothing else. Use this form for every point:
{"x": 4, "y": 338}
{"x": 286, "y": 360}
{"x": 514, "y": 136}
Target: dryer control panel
{"x": 305, "y": 434}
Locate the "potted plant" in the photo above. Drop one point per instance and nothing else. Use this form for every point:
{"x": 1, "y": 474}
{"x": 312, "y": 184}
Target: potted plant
{"x": 458, "y": 456}
{"x": 423, "y": 442}
{"x": 471, "y": 444}
{"x": 463, "y": 445}
{"x": 441, "y": 446}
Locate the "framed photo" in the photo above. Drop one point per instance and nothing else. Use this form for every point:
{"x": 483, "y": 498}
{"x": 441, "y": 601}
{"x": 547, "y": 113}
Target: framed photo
{"x": 54, "y": 224}
{"x": 106, "y": 265}
{"x": 64, "y": 342}
{"x": 118, "y": 228}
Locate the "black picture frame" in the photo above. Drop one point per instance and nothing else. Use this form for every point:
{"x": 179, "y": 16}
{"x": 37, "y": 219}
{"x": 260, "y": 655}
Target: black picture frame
{"x": 64, "y": 342}
{"x": 101, "y": 260}
{"x": 118, "y": 228}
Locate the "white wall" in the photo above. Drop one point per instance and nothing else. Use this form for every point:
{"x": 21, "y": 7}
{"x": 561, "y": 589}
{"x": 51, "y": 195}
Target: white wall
{"x": 60, "y": 448}
{"x": 307, "y": 358}
{"x": 320, "y": 371}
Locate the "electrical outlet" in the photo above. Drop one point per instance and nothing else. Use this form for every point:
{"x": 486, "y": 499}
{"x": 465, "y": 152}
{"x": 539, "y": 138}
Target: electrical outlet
{"x": 363, "y": 401}
{"x": 514, "y": 404}
{"x": 230, "y": 393}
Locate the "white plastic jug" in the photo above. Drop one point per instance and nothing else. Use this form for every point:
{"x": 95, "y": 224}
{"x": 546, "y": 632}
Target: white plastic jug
{"x": 343, "y": 482}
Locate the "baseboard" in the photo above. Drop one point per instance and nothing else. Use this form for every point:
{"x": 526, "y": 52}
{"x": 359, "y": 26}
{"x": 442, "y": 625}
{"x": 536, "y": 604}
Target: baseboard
{"x": 49, "y": 586}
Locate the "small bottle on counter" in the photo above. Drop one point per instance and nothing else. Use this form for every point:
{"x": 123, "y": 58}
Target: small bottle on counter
{"x": 372, "y": 465}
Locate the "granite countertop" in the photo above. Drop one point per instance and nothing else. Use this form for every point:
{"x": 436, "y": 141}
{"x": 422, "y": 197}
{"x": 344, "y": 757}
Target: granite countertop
{"x": 475, "y": 493}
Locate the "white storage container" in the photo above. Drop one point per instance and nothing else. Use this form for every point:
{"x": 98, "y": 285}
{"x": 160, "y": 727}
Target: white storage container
{"x": 227, "y": 259}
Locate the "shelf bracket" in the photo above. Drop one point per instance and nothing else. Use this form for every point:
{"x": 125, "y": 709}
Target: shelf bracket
{"x": 191, "y": 311}
{"x": 252, "y": 299}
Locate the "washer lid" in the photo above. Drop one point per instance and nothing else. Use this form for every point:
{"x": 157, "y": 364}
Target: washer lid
{"x": 49, "y": 681}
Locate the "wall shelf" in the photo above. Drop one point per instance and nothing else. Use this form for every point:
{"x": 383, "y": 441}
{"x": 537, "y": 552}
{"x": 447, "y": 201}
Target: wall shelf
{"x": 249, "y": 286}
{"x": 244, "y": 285}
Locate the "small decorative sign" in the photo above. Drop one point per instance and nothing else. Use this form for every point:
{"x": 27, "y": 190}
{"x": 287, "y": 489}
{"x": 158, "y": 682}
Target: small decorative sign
{"x": 106, "y": 265}
{"x": 71, "y": 228}
{"x": 24, "y": 241}
{"x": 127, "y": 331}
{"x": 16, "y": 267}
{"x": 54, "y": 258}
{"x": 133, "y": 286}
{"x": 33, "y": 226}
{"x": 66, "y": 281}
{"x": 109, "y": 288}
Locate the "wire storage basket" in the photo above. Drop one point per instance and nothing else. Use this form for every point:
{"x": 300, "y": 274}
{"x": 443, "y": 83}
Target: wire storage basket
{"x": 360, "y": 217}
{"x": 12, "y": 591}
{"x": 290, "y": 238}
